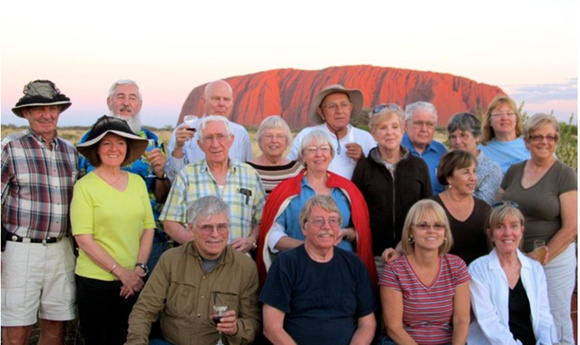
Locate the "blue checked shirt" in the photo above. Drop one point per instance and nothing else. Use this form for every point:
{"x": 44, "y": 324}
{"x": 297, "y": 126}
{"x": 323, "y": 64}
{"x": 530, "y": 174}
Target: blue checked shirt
{"x": 37, "y": 185}
{"x": 195, "y": 180}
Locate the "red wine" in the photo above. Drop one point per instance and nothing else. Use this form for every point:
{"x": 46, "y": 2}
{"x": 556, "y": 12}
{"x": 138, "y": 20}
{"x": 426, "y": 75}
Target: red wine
{"x": 216, "y": 319}
{"x": 191, "y": 129}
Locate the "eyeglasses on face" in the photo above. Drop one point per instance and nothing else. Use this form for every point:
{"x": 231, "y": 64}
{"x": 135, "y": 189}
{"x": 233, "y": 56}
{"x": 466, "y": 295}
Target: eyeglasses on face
{"x": 316, "y": 149}
{"x": 426, "y": 226}
{"x": 318, "y": 222}
{"x": 209, "y": 229}
{"x": 390, "y": 106}
{"x": 538, "y": 138}
{"x": 219, "y": 137}
{"x": 420, "y": 124}
{"x": 332, "y": 107}
{"x": 500, "y": 114}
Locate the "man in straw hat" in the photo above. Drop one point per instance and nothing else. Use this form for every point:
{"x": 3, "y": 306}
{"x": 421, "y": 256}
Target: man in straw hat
{"x": 38, "y": 174}
{"x": 331, "y": 110}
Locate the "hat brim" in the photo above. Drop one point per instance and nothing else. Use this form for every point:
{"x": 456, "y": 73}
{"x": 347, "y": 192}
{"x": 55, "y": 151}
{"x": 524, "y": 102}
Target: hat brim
{"x": 138, "y": 145}
{"x": 18, "y": 109}
{"x": 355, "y": 96}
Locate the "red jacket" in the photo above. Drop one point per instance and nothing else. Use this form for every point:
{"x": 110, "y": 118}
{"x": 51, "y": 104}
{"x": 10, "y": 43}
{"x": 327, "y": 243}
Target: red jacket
{"x": 279, "y": 198}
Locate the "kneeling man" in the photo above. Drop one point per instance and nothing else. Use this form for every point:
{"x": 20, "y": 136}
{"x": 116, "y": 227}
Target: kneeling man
{"x": 190, "y": 279}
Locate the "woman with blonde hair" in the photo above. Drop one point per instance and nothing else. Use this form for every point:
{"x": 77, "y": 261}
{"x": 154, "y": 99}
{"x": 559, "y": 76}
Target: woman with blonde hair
{"x": 502, "y": 130}
{"x": 425, "y": 292}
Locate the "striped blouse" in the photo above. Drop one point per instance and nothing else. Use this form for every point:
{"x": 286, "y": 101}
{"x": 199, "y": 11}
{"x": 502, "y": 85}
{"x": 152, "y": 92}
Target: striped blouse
{"x": 427, "y": 310}
{"x": 271, "y": 176}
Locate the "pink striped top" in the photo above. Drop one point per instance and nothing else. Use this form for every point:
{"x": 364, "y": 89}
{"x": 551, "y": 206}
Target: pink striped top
{"x": 427, "y": 310}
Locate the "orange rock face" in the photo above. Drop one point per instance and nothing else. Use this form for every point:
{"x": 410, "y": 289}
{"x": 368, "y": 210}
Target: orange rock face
{"x": 288, "y": 92}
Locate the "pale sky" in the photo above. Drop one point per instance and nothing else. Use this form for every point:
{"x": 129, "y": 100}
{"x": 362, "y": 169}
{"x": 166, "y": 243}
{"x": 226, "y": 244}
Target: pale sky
{"x": 528, "y": 48}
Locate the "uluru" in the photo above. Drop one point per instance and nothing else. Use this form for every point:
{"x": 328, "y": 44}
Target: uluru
{"x": 287, "y": 92}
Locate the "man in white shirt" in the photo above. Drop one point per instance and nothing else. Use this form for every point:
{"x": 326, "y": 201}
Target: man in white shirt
{"x": 217, "y": 99}
{"x": 331, "y": 109}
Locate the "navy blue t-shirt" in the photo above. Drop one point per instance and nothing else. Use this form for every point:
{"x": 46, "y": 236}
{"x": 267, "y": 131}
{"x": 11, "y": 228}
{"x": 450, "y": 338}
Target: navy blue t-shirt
{"x": 322, "y": 301}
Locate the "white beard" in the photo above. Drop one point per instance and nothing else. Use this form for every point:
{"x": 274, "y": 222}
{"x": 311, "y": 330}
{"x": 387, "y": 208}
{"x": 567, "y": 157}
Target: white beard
{"x": 134, "y": 122}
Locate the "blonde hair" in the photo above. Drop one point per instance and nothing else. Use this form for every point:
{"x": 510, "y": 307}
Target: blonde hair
{"x": 417, "y": 211}
{"x": 499, "y": 100}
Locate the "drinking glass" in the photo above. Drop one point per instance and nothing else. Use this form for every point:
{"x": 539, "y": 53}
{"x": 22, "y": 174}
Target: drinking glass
{"x": 145, "y": 158}
{"x": 217, "y": 312}
{"x": 191, "y": 122}
{"x": 540, "y": 249}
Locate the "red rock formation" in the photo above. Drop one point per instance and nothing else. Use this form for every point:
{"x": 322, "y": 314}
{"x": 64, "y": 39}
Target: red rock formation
{"x": 288, "y": 92}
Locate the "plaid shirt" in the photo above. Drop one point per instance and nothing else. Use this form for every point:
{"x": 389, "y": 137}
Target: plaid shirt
{"x": 37, "y": 185}
{"x": 195, "y": 181}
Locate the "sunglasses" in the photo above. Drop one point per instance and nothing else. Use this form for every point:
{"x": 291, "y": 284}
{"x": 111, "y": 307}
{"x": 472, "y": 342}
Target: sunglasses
{"x": 390, "y": 106}
{"x": 504, "y": 203}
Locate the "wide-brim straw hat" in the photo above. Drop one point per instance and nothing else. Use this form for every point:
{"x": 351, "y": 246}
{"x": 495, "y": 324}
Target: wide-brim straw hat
{"x": 108, "y": 124}
{"x": 355, "y": 96}
{"x": 40, "y": 93}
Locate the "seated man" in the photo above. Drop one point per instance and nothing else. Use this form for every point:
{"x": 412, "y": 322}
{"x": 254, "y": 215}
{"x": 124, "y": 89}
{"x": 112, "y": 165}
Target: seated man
{"x": 190, "y": 279}
{"x": 317, "y": 293}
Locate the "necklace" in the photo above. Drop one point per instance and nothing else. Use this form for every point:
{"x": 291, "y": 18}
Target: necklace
{"x": 108, "y": 181}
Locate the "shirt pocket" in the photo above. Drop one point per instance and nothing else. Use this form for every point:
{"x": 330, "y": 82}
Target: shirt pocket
{"x": 181, "y": 301}
{"x": 227, "y": 297}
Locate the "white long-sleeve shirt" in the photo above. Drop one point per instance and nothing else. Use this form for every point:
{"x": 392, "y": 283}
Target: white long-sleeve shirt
{"x": 490, "y": 302}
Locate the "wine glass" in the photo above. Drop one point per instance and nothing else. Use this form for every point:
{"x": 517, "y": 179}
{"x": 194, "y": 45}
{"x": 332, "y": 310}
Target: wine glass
{"x": 145, "y": 158}
{"x": 191, "y": 122}
{"x": 217, "y": 313}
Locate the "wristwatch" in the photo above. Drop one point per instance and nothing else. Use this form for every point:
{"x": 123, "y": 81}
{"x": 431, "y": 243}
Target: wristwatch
{"x": 143, "y": 266}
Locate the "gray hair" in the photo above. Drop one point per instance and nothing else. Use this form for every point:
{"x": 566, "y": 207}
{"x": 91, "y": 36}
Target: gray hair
{"x": 207, "y": 206}
{"x": 124, "y": 82}
{"x": 325, "y": 202}
{"x": 274, "y": 121}
{"x": 413, "y": 107}
{"x": 317, "y": 136}
{"x": 466, "y": 122}
{"x": 213, "y": 118}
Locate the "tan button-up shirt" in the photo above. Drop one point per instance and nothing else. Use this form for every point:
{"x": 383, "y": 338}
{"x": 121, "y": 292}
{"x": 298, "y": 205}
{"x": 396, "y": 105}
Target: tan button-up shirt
{"x": 184, "y": 293}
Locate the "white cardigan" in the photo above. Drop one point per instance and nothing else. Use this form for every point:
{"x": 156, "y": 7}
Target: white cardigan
{"x": 490, "y": 300}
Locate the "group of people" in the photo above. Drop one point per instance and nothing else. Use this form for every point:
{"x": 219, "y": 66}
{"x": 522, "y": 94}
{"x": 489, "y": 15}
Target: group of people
{"x": 354, "y": 237}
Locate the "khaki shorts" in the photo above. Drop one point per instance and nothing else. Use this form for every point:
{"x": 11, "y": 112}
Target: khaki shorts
{"x": 37, "y": 281}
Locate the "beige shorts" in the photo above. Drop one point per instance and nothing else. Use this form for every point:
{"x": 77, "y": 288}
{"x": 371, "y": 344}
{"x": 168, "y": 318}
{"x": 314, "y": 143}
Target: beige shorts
{"x": 37, "y": 281}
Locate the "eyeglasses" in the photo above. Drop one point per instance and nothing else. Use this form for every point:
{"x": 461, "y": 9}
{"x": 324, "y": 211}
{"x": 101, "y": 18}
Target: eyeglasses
{"x": 390, "y": 106}
{"x": 538, "y": 138}
{"x": 509, "y": 113}
{"x": 209, "y": 229}
{"x": 210, "y": 138}
{"x": 501, "y": 203}
{"x": 426, "y": 226}
{"x": 316, "y": 149}
{"x": 319, "y": 222}
{"x": 420, "y": 124}
{"x": 272, "y": 136}
{"x": 334, "y": 106}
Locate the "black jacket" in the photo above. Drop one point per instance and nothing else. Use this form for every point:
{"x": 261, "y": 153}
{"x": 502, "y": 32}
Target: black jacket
{"x": 389, "y": 200}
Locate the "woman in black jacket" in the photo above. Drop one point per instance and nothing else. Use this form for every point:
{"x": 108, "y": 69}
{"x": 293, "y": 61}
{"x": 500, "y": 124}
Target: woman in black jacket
{"x": 391, "y": 179}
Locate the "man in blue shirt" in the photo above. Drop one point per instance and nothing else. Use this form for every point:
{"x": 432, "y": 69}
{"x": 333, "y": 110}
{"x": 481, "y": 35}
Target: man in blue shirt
{"x": 420, "y": 122}
{"x": 124, "y": 102}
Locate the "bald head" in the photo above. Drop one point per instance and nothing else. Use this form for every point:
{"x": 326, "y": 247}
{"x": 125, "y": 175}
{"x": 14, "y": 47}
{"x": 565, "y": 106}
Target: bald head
{"x": 218, "y": 99}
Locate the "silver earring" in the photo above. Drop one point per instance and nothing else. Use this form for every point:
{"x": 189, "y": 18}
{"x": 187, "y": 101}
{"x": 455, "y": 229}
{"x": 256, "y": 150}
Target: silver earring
{"x": 411, "y": 240}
